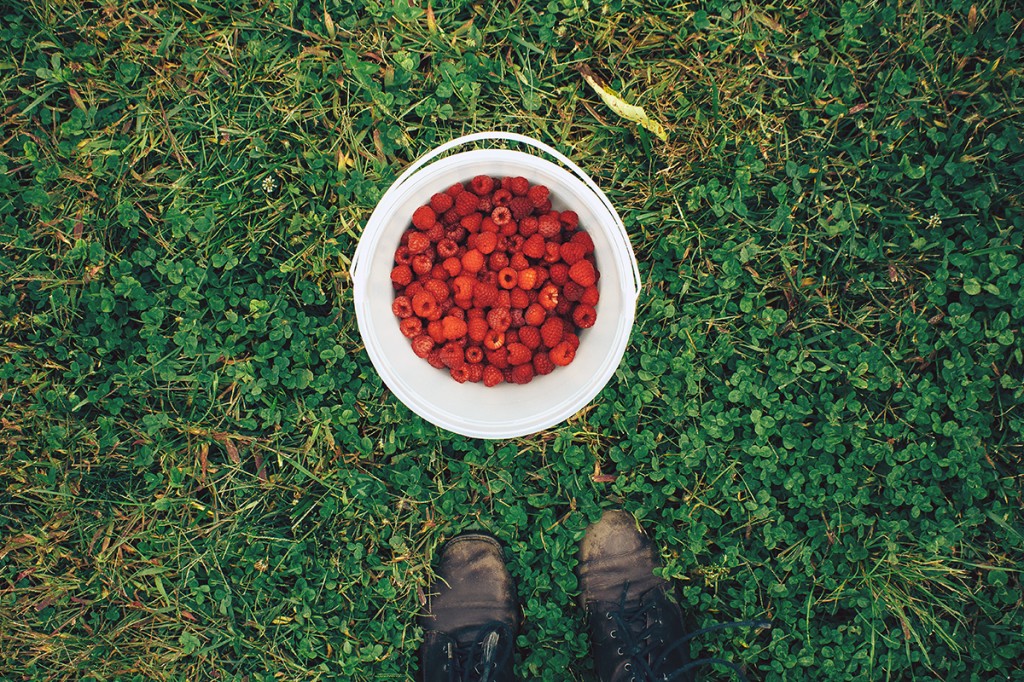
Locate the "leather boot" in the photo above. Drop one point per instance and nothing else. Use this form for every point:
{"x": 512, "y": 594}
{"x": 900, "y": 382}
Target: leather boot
{"x": 637, "y": 629}
{"x": 472, "y": 614}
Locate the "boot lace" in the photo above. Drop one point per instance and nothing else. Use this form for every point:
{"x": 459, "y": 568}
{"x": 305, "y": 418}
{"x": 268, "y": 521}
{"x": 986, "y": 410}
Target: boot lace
{"x": 643, "y": 641}
{"x": 482, "y": 659}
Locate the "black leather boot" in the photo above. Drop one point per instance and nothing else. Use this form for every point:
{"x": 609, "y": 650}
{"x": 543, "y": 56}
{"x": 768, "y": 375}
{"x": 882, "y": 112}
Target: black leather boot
{"x": 472, "y": 614}
{"x": 637, "y": 629}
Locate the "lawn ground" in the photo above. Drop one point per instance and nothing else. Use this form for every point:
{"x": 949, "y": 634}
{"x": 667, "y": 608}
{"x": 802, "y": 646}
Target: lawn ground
{"x": 819, "y": 416}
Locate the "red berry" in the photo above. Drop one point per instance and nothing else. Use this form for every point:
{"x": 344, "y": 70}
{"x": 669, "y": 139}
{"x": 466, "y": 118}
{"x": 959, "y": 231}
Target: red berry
{"x": 492, "y": 376}
{"x": 484, "y": 295}
{"x": 424, "y": 217}
{"x": 481, "y": 185}
{"x": 476, "y": 373}
{"x": 520, "y": 207}
{"x": 460, "y": 374}
{"x": 452, "y": 355}
{"x": 571, "y": 252}
{"x": 425, "y": 305}
{"x": 476, "y": 329}
{"x": 573, "y": 291}
{"x": 569, "y": 219}
{"x": 518, "y": 354}
{"x": 535, "y": 315}
{"x": 583, "y": 273}
{"x": 523, "y": 374}
{"x": 590, "y": 295}
{"x": 401, "y": 275}
{"x": 548, "y": 225}
{"x": 401, "y": 307}
{"x": 537, "y": 195}
{"x": 529, "y": 337}
{"x": 499, "y": 319}
{"x": 454, "y": 328}
{"x": 411, "y": 327}
{"x": 584, "y": 239}
{"x": 418, "y": 242}
{"x": 562, "y": 354}
{"x": 534, "y": 246}
{"x": 441, "y": 202}
{"x": 552, "y": 331}
{"x": 466, "y": 203}
{"x": 422, "y": 345}
{"x": 542, "y": 364}
{"x": 584, "y": 316}
{"x": 519, "y": 186}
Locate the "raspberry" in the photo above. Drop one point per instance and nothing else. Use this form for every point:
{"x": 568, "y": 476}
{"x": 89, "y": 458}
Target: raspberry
{"x": 493, "y": 340}
{"x": 572, "y": 291}
{"x": 411, "y": 327}
{"x": 523, "y": 374}
{"x": 569, "y": 220}
{"x": 527, "y": 278}
{"x": 476, "y": 329}
{"x": 583, "y": 273}
{"x": 497, "y": 357}
{"x": 451, "y": 217}
{"x": 548, "y": 225}
{"x": 438, "y": 289}
{"x": 436, "y": 332}
{"x": 454, "y": 328}
{"x": 537, "y": 195}
{"x": 518, "y": 354}
{"x": 486, "y": 242}
{"x": 463, "y": 286}
{"x": 562, "y": 354}
{"x": 520, "y": 207}
{"x": 413, "y": 289}
{"x": 474, "y": 354}
{"x": 402, "y": 255}
{"x": 418, "y": 242}
{"x": 548, "y": 297}
{"x": 542, "y": 364}
{"x": 446, "y": 248}
{"x": 518, "y": 262}
{"x": 434, "y": 358}
{"x": 572, "y": 340}
{"x": 481, "y": 185}
{"x": 476, "y": 373}
{"x": 452, "y": 355}
{"x": 492, "y": 376}
{"x": 534, "y": 247}
{"x": 435, "y": 233}
{"x": 457, "y": 235}
{"x": 518, "y": 299}
{"x": 453, "y": 266}
{"x": 551, "y": 332}
{"x": 473, "y": 261}
{"x": 499, "y": 319}
{"x": 529, "y": 337}
{"x": 502, "y": 300}
{"x": 424, "y": 217}
{"x": 401, "y": 275}
{"x": 544, "y": 208}
{"x": 559, "y": 274}
{"x": 455, "y": 190}
{"x": 535, "y": 315}
{"x": 441, "y": 202}
{"x": 551, "y": 252}
{"x": 422, "y": 345}
{"x": 590, "y": 295}
{"x": 501, "y": 216}
{"x": 584, "y": 316}
{"x": 584, "y": 239}
{"x": 501, "y": 197}
{"x": 572, "y": 252}
{"x": 497, "y": 261}
{"x": 519, "y": 186}
{"x": 507, "y": 278}
{"x": 461, "y": 374}
{"x": 471, "y": 222}
{"x": 425, "y": 305}
{"x": 484, "y": 294}
{"x": 563, "y": 306}
{"x": 401, "y": 307}
{"x": 466, "y": 203}
{"x": 528, "y": 226}
{"x": 422, "y": 264}
{"x": 486, "y": 204}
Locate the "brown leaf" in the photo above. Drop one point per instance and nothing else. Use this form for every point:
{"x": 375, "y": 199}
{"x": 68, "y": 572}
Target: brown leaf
{"x": 261, "y": 469}
{"x": 204, "y": 461}
{"x": 604, "y": 478}
{"x": 229, "y": 446}
{"x": 857, "y": 108}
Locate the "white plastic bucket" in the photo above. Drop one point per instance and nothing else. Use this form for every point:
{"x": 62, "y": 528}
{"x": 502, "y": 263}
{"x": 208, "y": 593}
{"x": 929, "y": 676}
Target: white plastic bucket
{"x": 506, "y": 410}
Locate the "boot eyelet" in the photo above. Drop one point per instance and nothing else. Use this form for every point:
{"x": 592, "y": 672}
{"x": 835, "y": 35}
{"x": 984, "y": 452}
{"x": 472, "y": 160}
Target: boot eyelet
{"x": 619, "y": 651}
{"x": 613, "y": 633}
{"x": 627, "y": 667}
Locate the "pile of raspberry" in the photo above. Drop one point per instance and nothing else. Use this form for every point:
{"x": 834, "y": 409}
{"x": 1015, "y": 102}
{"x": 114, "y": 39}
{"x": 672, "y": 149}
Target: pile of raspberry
{"x": 492, "y": 284}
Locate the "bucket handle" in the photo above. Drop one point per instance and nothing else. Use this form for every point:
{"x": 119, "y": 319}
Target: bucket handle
{"x": 536, "y": 144}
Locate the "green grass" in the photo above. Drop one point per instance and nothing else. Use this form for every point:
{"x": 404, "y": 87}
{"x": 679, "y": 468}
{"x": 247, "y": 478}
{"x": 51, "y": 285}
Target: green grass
{"x": 819, "y": 417}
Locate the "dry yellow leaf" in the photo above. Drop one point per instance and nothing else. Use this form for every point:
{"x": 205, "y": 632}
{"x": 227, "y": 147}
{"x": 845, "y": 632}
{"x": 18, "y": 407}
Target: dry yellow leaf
{"x": 628, "y": 111}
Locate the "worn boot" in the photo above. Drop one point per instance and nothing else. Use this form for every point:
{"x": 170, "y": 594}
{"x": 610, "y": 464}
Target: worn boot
{"x": 472, "y": 614}
{"x": 637, "y": 629}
